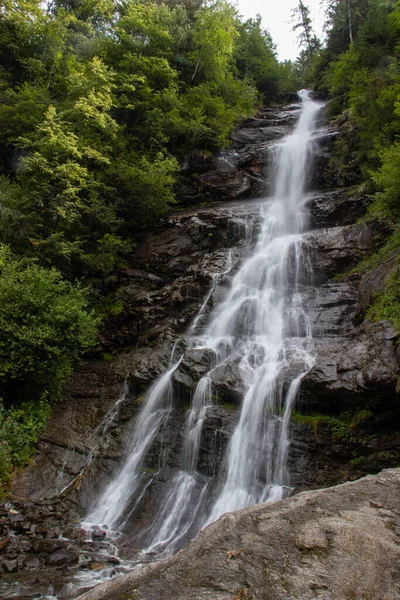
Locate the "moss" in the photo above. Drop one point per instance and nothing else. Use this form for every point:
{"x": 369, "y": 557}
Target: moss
{"x": 359, "y": 461}
{"x": 391, "y": 459}
{"x": 228, "y": 406}
{"x": 386, "y": 305}
{"x": 149, "y": 470}
{"x": 392, "y": 245}
{"x": 342, "y": 426}
{"x": 312, "y": 421}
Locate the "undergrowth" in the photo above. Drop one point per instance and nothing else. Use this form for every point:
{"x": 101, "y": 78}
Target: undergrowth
{"x": 19, "y": 432}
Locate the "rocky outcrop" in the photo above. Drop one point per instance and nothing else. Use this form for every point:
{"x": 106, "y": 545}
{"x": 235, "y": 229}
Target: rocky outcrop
{"x": 242, "y": 171}
{"x": 341, "y": 542}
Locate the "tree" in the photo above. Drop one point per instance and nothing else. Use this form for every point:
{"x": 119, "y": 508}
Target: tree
{"x": 45, "y": 325}
{"x": 302, "y": 20}
{"x": 255, "y": 55}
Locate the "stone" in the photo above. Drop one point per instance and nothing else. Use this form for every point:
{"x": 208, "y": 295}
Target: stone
{"x": 98, "y": 534}
{"x": 228, "y": 383}
{"x": 9, "y": 566}
{"x": 48, "y": 545}
{"x": 31, "y": 561}
{"x": 336, "y": 207}
{"x": 63, "y": 558}
{"x": 75, "y": 533}
{"x": 337, "y": 249}
{"x": 330, "y": 540}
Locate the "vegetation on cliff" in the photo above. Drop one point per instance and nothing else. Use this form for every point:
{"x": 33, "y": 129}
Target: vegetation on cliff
{"x": 359, "y": 71}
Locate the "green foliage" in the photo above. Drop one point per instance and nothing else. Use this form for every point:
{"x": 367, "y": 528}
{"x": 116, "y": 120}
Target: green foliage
{"x": 343, "y": 427}
{"x": 387, "y": 179}
{"x": 360, "y": 69}
{"x": 45, "y": 325}
{"x": 98, "y": 103}
{"x": 255, "y": 56}
{"x": 19, "y": 431}
{"x": 386, "y": 305}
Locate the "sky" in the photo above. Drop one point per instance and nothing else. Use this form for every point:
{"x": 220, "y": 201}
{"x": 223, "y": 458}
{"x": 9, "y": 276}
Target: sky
{"x": 276, "y": 18}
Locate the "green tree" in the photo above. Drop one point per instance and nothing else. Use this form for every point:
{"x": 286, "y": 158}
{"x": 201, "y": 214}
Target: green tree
{"x": 45, "y": 325}
{"x": 302, "y": 21}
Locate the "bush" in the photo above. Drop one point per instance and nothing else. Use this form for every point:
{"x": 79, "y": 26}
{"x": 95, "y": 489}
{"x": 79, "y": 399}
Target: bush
{"x": 19, "y": 432}
{"x": 45, "y": 324}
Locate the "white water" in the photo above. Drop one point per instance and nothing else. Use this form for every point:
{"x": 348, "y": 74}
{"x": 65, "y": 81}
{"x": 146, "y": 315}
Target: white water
{"x": 261, "y": 327}
{"x": 265, "y": 325}
{"x": 111, "y": 504}
{"x": 184, "y": 499}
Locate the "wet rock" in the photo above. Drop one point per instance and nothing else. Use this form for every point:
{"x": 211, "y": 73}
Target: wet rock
{"x": 332, "y": 308}
{"x": 228, "y": 383}
{"x": 358, "y": 371}
{"x": 48, "y": 545}
{"x": 71, "y": 591}
{"x": 98, "y": 534}
{"x": 194, "y": 365}
{"x": 63, "y": 558}
{"x": 75, "y": 533}
{"x": 336, "y": 207}
{"x": 338, "y": 249}
{"x": 218, "y": 427}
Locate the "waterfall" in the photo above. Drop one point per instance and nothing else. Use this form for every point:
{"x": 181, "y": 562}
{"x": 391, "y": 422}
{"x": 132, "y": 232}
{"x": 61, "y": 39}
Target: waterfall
{"x": 110, "y": 507}
{"x": 263, "y": 329}
{"x": 266, "y": 326}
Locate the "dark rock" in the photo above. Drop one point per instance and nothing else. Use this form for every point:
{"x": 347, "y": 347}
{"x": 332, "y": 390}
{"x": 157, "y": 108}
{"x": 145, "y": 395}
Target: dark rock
{"x": 9, "y": 566}
{"x": 16, "y": 519}
{"x": 337, "y": 207}
{"x": 63, "y": 558}
{"x": 228, "y": 383}
{"x": 356, "y": 372}
{"x": 31, "y": 561}
{"x": 98, "y": 534}
{"x": 75, "y": 533}
{"x": 194, "y": 365}
{"x": 47, "y": 546}
{"x": 338, "y": 249}
{"x": 218, "y": 426}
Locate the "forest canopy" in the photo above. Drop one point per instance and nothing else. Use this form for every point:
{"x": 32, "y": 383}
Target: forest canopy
{"x": 99, "y": 103}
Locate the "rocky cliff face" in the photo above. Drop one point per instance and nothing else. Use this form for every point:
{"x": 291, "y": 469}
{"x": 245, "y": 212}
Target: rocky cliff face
{"x": 346, "y": 419}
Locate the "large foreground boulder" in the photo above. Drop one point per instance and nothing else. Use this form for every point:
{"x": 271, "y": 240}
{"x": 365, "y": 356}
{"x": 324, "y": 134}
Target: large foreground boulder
{"x": 331, "y": 544}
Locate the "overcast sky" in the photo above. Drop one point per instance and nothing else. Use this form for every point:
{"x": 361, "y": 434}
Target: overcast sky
{"x": 276, "y": 18}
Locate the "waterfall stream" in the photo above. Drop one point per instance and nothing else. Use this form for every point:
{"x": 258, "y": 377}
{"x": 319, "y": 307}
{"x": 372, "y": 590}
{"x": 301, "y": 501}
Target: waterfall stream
{"x": 263, "y": 329}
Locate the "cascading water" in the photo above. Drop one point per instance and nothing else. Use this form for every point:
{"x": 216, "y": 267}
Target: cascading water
{"x": 265, "y": 325}
{"x": 111, "y": 505}
{"x": 262, "y": 328}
